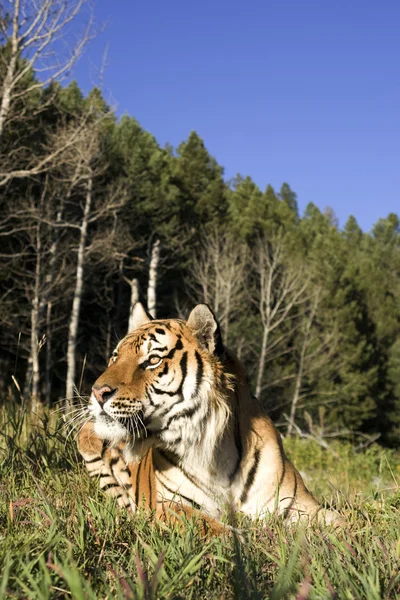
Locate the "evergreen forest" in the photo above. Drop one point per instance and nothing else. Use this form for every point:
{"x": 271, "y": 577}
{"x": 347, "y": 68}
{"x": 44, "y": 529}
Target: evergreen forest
{"x": 95, "y": 215}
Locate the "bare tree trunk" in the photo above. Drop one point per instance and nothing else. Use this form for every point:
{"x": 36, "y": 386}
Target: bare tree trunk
{"x": 28, "y": 378}
{"x": 225, "y": 320}
{"x": 300, "y": 372}
{"x": 29, "y": 31}
{"x": 47, "y": 375}
{"x": 266, "y": 279}
{"x": 239, "y": 348}
{"x": 9, "y": 78}
{"x": 107, "y": 353}
{"x": 218, "y": 276}
{"x": 282, "y": 286}
{"x": 297, "y": 389}
{"x": 76, "y": 304}
{"x": 31, "y": 388}
{"x": 152, "y": 287}
{"x": 134, "y": 298}
{"x": 49, "y": 279}
{"x": 217, "y": 270}
{"x": 35, "y": 324}
{"x": 261, "y": 362}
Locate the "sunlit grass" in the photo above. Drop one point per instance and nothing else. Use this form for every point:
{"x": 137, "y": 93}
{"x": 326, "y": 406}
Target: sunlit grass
{"x": 61, "y": 538}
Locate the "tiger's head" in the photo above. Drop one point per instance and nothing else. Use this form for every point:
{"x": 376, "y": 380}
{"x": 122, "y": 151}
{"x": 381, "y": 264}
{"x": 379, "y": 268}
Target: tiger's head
{"x": 165, "y": 380}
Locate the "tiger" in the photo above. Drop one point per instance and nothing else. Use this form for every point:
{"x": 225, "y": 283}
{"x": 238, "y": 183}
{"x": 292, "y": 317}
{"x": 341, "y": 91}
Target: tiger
{"x": 174, "y": 428}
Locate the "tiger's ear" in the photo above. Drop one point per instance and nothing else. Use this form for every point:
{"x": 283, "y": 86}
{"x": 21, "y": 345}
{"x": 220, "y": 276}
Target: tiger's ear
{"x": 139, "y": 316}
{"x": 205, "y": 328}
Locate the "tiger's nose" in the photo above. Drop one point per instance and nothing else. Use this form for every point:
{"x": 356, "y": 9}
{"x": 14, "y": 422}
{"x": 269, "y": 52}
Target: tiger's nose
{"x": 103, "y": 394}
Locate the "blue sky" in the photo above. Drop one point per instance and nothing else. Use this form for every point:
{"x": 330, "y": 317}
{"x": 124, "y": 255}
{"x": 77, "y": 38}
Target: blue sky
{"x": 306, "y": 92}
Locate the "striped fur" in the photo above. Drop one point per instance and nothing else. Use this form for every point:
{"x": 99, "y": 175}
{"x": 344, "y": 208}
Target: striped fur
{"x": 174, "y": 428}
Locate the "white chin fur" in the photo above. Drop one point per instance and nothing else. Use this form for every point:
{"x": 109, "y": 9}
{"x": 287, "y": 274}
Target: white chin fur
{"x": 104, "y": 427}
{"x": 112, "y": 432}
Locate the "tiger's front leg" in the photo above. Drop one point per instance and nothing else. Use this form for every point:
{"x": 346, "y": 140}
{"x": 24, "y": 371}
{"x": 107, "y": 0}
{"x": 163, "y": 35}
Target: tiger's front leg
{"x": 108, "y": 464}
{"x": 133, "y": 484}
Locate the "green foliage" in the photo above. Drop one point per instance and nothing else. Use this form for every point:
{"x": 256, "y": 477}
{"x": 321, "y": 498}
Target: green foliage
{"x": 245, "y": 206}
{"x": 199, "y": 179}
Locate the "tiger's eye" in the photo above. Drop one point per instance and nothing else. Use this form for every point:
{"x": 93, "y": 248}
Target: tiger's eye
{"x": 153, "y": 360}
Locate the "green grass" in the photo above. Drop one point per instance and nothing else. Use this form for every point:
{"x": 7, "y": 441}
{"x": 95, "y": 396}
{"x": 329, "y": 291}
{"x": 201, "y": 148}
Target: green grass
{"x": 61, "y": 538}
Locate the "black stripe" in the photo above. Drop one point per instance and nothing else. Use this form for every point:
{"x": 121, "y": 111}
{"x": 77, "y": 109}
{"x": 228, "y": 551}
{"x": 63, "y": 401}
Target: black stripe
{"x": 179, "y": 345}
{"x": 93, "y": 460}
{"x": 237, "y": 439}
{"x": 114, "y": 461}
{"x": 178, "y": 391}
{"x": 137, "y": 484}
{"x": 199, "y": 373}
{"x": 168, "y": 457}
{"x": 160, "y": 331}
{"x": 178, "y": 494}
{"x": 183, "y": 366}
{"x": 170, "y": 353}
{"x": 104, "y": 448}
{"x": 159, "y": 392}
{"x": 127, "y": 486}
{"x": 164, "y": 371}
{"x": 194, "y": 481}
{"x": 188, "y": 412}
{"x": 250, "y": 477}
{"x": 108, "y": 486}
{"x": 164, "y": 476}
{"x": 148, "y": 396}
{"x": 150, "y": 483}
{"x": 105, "y": 475}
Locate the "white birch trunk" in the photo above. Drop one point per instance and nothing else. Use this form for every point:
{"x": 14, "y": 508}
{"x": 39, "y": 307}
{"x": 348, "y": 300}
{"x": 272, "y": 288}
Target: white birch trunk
{"x": 9, "y": 77}
{"x": 300, "y": 372}
{"x": 47, "y": 375}
{"x": 35, "y": 359}
{"x": 76, "y": 304}
{"x": 35, "y": 325}
{"x": 217, "y": 279}
{"x": 107, "y": 353}
{"x": 49, "y": 279}
{"x": 31, "y": 388}
{"x": 296, "y": 394}
{"x": 152, "y": 287}
{"x": 225, "y": 321}
{"x": 261, "y": 362}
{"x": 134, "y": 299}
{"x": 266, "y": 279}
